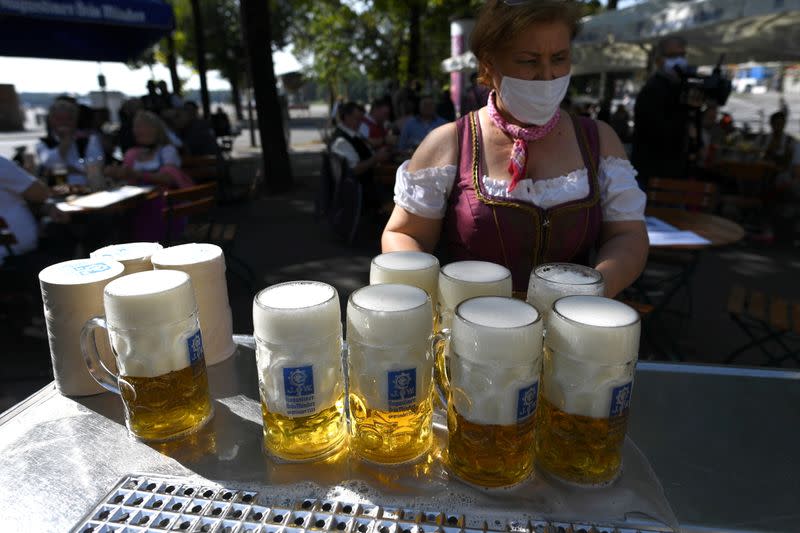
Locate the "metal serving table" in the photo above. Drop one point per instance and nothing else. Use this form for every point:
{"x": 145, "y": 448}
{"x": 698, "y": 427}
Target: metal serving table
{"x": 722, "y": 441}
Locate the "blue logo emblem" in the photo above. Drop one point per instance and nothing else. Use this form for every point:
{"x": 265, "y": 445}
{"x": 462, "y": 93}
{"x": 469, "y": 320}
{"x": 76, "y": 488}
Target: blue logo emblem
{"x": 94, "y": 268}
{"x": 196, "y": 352}
{"x": 620, "y": 399}
{"x": 526, "y": 401}
{"x": 298, "y": 386}
{"x": 402, "y": 389}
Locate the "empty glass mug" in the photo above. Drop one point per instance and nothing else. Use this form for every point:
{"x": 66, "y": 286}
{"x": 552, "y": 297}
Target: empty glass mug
{"x": 151, "y": 320}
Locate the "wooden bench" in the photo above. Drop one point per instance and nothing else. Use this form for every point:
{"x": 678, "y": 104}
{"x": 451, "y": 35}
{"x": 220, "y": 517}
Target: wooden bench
{"x": 770, "y": 321}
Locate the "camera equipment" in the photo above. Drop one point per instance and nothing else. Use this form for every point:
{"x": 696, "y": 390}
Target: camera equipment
{"x": 713, "y": 87}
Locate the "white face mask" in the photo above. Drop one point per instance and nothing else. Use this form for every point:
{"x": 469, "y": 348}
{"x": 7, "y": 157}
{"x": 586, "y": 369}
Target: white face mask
{"x": 533, "y": 101}
{"x": 671, "y": 62}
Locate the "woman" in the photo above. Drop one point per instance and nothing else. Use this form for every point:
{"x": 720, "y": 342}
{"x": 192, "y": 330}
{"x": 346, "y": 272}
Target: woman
{"x": 152, "y": 161}
{"x": 517, "y": 182}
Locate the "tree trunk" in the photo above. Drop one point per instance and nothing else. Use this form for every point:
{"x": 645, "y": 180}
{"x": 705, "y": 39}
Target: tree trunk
{"x": 236, "y": 96}
{"x": 612, "y": 4}
{"x": 415, "y": 14}
{"x": 200, "y": 47}
{"x": 172, "y": 64}
{"x": 258, "y": 40}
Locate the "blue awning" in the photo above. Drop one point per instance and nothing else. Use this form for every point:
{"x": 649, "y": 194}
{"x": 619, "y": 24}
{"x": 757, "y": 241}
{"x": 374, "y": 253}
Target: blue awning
{"x": 92, "y": 30}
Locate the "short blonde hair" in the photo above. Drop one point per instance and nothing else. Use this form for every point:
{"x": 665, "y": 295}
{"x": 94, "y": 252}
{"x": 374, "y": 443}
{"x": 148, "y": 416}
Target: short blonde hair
{"x": 498, "y": 23}
{"x": 150, "y": 118}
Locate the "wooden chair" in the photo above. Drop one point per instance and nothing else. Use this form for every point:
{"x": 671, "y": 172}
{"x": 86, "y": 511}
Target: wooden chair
{"x": 770, "y": 321}
{"x": 196, "y": 203}
{"x": 346, "y": 199}
{"x": 201, "y": 168}
{"x": 687, "y": 194}
{"x": 751, "y": 182}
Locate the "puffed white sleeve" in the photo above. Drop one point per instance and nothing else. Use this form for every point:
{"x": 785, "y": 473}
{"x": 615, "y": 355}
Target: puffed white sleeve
{"x": 620, "y": 196}
{"x": 424, "y": 192}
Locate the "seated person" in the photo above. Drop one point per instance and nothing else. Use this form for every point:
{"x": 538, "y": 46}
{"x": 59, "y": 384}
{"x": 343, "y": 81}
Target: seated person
{"x": 17, "y": 188}
{"x": 778, "y": 147}
{"x": 373, "y": 126}
{"x": 195, "y": 133}
{"x": 153, "y": 161}
{"x": 63, "y": 151}
{"x": 419, "y": 126}
{"x": 356, "y": 151}
{"x": 221, "y": 123}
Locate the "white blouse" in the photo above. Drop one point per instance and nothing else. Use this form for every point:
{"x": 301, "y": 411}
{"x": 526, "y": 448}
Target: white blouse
{"x": 426, "y": 191}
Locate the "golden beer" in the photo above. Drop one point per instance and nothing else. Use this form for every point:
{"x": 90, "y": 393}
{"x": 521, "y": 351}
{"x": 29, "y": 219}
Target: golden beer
{"x": 298, "y": 335}
{"x": 391, "y": 436}
{"x": 304, "y": 438}
{"x": 496, "y": 354}
{"x": 167, "y": 406}
{"x": 489, "y": 455}
{"x": 581, "y": 449}
{"x": 391, "y": 370}
{"x": 589, "y": 358}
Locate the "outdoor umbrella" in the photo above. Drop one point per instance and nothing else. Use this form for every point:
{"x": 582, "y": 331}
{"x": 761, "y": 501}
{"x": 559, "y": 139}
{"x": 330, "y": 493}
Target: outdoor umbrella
{"x": 91, "y": 30}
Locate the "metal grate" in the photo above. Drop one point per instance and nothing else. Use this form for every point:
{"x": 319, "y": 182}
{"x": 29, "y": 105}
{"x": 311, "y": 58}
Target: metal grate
{"x": 145, "y": 503}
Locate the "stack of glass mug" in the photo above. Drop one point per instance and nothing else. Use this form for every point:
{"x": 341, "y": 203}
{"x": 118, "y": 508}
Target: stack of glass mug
{"x": 545, "y": 382}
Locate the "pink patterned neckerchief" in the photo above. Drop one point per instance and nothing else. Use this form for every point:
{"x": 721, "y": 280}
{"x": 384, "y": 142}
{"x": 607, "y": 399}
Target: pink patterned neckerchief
{"x": 522, "y": 136}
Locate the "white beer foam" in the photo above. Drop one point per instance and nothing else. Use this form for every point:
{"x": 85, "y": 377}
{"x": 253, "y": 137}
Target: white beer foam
{"x": 486, "y": 392}
{"x": 297, "y": 312}
{"x": 325, "y": 361}
{"x": 146, "y": 299}
{"x": 388, "y": 329}
{"x": 468, "y": 279}
{"x": 497, "y": 327}
{"x": 595, "y": 343}
{"x": 577, "y": 387}
{"x": 80, "y": 272}
{"x": 411, "y": 268}
{"x": 154, "y": 310}
{"x": 134, "y": 255}
{"x": 552, "y": 281}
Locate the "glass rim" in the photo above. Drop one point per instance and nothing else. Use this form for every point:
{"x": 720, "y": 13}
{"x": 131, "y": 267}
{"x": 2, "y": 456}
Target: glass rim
{"x": 113, "y": 326}
{"x": 367, "y": 309}
{"x": 577, "y": 323}
{"x": 457, "y": 314}
{"x": 434, "y": 263}
{"x": 584, "y": 268}
{"x": 460, "y": 280}
{"x": 265, "y": 307}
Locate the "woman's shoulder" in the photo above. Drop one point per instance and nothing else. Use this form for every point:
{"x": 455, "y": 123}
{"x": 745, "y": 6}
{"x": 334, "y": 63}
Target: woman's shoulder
{"x": 438, "y": 149}
{"x": 610, "y": 145}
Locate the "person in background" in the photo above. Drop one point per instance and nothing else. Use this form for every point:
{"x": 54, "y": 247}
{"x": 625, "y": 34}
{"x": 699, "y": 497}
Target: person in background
{"x": 783, "y": 201}
{"x": 196, "y": 134}
{"x": 662, "y": 116}
{"x": 445, "y": 107}
{"x": 348, "y": 144}
{"x": 475, "y": 95}
{"x": 619, "y": 122}
{"x": 373, "y": 125}
{"x": 17, "y": 189}
{"x": 420, "y": 125}
{"x": 63, "y": 152}
{"x": 221, "y": 123}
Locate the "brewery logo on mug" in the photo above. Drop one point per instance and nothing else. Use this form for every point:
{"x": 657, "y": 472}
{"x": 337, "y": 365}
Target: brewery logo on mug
{"x": 196, "y": 352}
{"x": 526, "y": 401}
{"x": 298, "y": 384}
{"x": 402, "y": 389}
{"x": 620, "y": 399}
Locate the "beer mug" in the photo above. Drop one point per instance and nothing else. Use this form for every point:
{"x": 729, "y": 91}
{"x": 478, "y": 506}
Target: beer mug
{"x": 590, "y": 353}
{"x": 460, "y": 281}
{"x": 417, "y": 269}
{"x": 390, "y": 368}
{"x": 151, "y": 319}
{"x": 552, "y": 281}
{"x": 298, "y": 334}
{"x": 495, "y": 361}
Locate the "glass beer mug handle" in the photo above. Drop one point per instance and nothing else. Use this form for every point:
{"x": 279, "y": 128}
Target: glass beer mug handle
{"x": 440, "y": 365}
{"x": 91, "y": 356}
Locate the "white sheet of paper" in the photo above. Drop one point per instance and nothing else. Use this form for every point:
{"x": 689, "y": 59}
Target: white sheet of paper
{"x": 673, "y": 238}
{"x": 656, "y": 224}
{"x": 105, "y": 198}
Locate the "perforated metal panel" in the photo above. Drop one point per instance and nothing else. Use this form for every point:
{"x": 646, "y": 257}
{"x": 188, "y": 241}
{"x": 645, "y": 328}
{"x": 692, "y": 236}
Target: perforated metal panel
{"x": 144, "y": 503}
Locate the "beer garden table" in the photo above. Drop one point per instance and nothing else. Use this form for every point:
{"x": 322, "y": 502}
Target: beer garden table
{"x": 722, "y": 440}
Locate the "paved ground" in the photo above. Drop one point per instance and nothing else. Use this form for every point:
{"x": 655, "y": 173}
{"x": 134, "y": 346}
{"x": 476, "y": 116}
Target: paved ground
{"x": 281, "y": 241}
